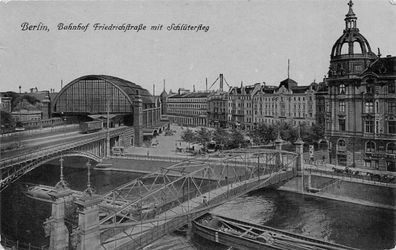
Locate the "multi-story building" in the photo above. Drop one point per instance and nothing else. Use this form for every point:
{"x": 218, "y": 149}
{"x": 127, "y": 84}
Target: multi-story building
{"x": 5, "y": 104}
{"x": 288, "y": 103}
{"x": 240, "y": 106}
{"x": 218, "y": 106}
{"x": 361, "y": 105}
{"x": 320, "y": 98}
{"x": 218, "y": 109}
{"x": 187, "y": 108}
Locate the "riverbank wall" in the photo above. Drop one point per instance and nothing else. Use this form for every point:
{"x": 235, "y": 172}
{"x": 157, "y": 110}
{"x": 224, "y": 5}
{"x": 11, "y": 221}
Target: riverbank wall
{"x": 343, "y": 190}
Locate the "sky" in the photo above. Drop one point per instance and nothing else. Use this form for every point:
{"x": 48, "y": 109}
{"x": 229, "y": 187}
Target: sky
{"x": 249, "y": 41}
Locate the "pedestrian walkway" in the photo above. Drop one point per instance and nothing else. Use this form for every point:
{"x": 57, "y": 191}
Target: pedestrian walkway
{"x": 166, "y": 145}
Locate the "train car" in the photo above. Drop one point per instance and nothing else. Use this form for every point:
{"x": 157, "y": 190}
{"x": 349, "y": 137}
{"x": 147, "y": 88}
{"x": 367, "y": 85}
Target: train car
{"x": 90, "y": 127}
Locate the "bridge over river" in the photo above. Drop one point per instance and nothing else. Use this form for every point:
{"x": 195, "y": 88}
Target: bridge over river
{"x": 95, "y": 146}
{"x": 143, "y": 210}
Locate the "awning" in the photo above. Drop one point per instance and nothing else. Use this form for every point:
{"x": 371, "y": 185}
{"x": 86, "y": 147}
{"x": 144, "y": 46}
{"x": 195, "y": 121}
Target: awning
{"x": 149, "y": 131}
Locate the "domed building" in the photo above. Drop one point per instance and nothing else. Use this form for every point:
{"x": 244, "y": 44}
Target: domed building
{"x": 360, "y": 107}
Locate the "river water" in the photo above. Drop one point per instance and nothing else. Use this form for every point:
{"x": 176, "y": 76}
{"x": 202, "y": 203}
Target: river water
{"x": 340, "y": 222}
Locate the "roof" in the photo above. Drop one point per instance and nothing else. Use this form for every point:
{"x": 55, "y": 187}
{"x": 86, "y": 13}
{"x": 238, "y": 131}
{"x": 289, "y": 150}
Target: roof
{"x": 129, "y": 88}
{"x": 191, "y": 95}
{"x": 288, "y": 83}
{"x": 385, "y": 66}
{"x": 300, "y": 89}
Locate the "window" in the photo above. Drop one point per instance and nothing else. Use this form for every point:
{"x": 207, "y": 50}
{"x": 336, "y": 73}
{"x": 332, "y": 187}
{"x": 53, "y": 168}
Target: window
{"x": 391, "y": 88}
{"x": 391, "y": 148}
{"x": 370, "y": 89}
{"x": 392, "y": 127}
{"x": 369, "y": 107}
{"x": 391, "y": 166}
{"x": 392, "y": 107}
{"x": 341, "y": 124}
{"x": 341, "y": 143}
{"x": 369, "y": 126}
{"x": 370, "y": 147}
{"x": 342, "y": 106}
{"x": 342, "y": 89}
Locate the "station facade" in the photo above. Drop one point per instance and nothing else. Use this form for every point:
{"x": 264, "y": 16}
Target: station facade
{"x": 126, "y": 103}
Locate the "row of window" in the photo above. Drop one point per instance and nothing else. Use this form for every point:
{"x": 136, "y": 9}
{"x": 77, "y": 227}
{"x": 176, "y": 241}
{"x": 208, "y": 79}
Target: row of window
{"x": 184, "y": 106}
{"x": 369, "y": 107}
{"x": 370, "y": 147}
{"x": 187, "y": 100}
{"x": 391, "y": 89}
{"x": 370, "y": 126}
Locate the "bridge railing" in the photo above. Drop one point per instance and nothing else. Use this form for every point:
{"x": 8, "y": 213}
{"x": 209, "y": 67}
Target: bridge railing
{"x": 171, "y": 224}
{"x": 351, "y": 178}
{"x": 15, "y": 244}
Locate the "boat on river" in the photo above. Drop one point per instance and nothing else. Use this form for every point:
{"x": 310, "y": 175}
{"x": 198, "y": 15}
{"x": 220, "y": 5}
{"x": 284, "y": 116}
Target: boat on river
{"x": 42, "y": 192}
{"x": 244, "y": 235}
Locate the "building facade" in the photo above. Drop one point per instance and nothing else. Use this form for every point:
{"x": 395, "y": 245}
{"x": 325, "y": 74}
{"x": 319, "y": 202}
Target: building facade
{"x": 240, "y": 106}
{"x": 5, "y": 104}
{"x": 187, "y": 108}
{"x": 218, "y": 109}
{"x": 361, "y": 102}
{"x": 287, "y": 103}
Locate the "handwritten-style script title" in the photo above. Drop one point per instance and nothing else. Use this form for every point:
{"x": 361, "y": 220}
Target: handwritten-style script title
{"x": 124, "y": 27}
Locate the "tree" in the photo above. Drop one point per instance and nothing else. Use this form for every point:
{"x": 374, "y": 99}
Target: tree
{"x": 237, "y": 139}
{"x": 188, "y": 136}
{"x": 203, "y": 136}
{"x": 6, "y": 120}
{"x": 221, "y": 136}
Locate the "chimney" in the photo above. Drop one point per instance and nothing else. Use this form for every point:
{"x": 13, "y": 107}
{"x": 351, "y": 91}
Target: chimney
{"x": 164, "y": 84}
{"x": 193, "y": 88}
{"x": 206, "y": 80}
{"x": 153, "y": 89}
{"x": 221, "y": 82}
{"x": 61, "y": 84}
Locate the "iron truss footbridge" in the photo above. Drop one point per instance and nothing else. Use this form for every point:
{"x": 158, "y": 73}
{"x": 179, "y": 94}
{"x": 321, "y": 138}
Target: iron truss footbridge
{"x": 143, "y": 210}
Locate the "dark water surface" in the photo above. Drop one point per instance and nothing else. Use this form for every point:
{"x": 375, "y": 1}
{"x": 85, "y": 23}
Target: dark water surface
{"x": 344, "y": 223}
{"x": 340, "y": 222}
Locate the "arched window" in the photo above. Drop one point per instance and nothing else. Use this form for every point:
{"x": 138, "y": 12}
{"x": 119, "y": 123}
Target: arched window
{"x": 357, "y": 49}
{"x": 345, "y": 49}
{"x": 370, "y": 147}
{"x": 342, "y": 89}
{"x": 391, "y": 148}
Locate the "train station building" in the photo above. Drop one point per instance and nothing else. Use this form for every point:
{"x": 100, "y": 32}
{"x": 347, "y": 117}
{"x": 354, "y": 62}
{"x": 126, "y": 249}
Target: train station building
{"x": 99, "y": 97}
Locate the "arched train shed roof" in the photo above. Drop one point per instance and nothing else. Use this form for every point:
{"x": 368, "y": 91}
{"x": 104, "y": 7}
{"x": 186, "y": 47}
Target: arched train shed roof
{"x": 130, "y": 89}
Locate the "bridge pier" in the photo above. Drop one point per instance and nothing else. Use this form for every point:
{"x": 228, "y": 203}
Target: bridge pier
{"x": 299, "y": 150}
{"x": 59, "y": 234}
{"x": 278, "y": 147}
{"x": 88, "y": 222}
{"x": 138, "y": 120}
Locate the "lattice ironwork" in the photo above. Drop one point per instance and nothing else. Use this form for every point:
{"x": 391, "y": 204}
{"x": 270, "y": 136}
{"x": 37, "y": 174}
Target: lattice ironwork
{"x": 186, "y": 188}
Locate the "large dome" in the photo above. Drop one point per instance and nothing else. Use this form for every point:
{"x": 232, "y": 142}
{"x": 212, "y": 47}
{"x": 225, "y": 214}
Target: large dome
{"x": 351, "y": 53}
{"x": 351, "y": 42}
